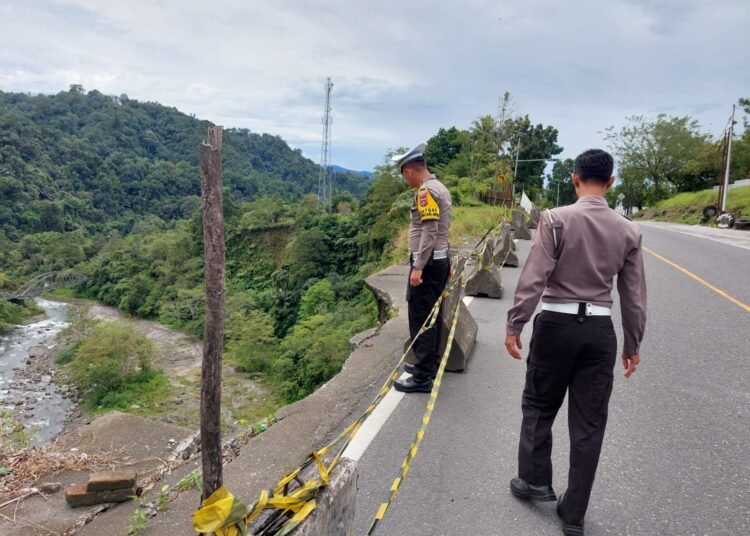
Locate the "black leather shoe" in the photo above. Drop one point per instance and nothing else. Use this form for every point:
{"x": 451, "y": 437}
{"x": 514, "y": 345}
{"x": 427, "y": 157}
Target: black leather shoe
{"x": 523, "y": 490}
{"x": 569, "y": 529}
{"x": 409, "y": 368}
{"x": 410, "y": 385}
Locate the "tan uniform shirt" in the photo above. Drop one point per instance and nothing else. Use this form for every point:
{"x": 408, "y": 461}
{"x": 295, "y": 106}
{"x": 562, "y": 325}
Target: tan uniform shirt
{"x": 430, "y": 220}
{"x": 576, "y": 253}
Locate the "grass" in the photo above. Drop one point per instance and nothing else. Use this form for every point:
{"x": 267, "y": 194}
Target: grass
{"x": 688, "y": 207}
{"x": 64, "y": 293}
{"x": 469, "y": 224}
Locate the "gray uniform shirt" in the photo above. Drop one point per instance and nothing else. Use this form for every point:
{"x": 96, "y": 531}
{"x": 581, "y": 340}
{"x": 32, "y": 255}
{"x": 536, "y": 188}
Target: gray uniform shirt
{"x": 576, "y": 253}
{"x": 430, "y": 220}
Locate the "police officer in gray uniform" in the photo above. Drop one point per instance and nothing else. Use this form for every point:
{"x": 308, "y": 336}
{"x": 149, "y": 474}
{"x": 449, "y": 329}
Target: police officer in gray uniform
{"x": 576, "y": 254}
{"x": 430, "y": 267}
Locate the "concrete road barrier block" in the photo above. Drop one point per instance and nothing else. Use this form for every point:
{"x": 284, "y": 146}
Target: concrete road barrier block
{"x": 486, "y": 281}
{"x": 334, "y": 514}
{"x": 534, "y": 218}
{"x": 466, "y": 329}
{"x": 505, "y": 249}
{"x": 518, "y": 223}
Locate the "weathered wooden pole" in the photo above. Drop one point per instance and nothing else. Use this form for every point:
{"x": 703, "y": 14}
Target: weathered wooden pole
{"x": 213, "y": 331}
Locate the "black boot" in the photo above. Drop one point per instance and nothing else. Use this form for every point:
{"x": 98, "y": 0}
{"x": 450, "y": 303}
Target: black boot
{"x": 523, "y": 490}
{"x": 569, "y": 529}
{"x": 409, "y": 368}
{"x": 413, "y": 385}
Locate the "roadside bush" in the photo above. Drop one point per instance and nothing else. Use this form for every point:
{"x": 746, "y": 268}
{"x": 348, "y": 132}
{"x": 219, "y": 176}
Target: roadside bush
{"x": 251, "y": 342}
{"x": 113, "y": 367}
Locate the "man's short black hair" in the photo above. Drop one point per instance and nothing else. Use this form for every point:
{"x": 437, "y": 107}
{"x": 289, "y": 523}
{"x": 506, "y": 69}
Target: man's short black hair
{"x": 594, "y": 165}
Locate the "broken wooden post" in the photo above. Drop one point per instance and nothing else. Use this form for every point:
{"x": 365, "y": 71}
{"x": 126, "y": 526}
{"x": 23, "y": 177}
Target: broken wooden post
{"x": 213, "y": 331}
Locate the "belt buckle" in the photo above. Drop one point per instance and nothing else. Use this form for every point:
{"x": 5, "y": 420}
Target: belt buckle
{"x": 588, "y": 309}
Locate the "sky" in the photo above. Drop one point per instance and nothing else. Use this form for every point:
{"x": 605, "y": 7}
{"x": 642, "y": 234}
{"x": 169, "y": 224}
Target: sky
{"x": 401, "y": 70}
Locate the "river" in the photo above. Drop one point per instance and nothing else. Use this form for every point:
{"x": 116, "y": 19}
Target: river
{"x": 28, "y": 391}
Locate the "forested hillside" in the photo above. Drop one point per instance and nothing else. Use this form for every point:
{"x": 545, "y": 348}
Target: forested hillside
{"x": 90, "y": 160}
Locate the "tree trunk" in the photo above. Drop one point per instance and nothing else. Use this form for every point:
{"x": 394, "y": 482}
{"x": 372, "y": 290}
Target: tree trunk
{"x": 213, "y": 333}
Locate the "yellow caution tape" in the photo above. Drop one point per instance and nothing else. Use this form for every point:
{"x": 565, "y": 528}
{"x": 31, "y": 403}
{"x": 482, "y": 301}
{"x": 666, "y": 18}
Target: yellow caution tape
{"x": 414, "y": 447}
{"x": 222, "y": 514}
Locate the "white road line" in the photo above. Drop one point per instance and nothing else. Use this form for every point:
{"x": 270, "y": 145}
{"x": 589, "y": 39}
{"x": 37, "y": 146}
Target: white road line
{"x": 373, "y": 424}
{"x": 727, "y": 240}
{"x": 378, "y": 418}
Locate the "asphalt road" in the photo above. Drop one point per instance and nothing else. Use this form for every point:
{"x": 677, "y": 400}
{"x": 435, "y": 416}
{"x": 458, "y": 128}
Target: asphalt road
{"x": 676, "y": 457}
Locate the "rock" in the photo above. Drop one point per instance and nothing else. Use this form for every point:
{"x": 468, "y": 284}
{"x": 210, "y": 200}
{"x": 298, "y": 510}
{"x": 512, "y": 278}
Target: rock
{"x": 50, "y": 487}
{"x": 135, "y": 407}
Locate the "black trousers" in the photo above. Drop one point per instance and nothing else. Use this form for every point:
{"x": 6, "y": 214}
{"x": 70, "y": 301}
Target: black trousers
{"x": 421, "y": 300}
{"x": 577, "y": 354}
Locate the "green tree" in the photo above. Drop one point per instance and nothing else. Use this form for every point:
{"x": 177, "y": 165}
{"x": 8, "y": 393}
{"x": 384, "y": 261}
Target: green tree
{"x": 561, "y": 175}
{"x": 532, "y": 142}
{"x": 112, "y": 358}
{"x": 251, "y": 342}
{"x": 445, "y": 146}
{"x": 318, "y": 299}
{"x": 657, "y": 152}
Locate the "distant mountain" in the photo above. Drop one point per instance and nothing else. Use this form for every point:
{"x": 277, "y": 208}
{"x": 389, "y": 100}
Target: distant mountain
{"x": 339, "y": 169}
{"x": 91, "y": 160}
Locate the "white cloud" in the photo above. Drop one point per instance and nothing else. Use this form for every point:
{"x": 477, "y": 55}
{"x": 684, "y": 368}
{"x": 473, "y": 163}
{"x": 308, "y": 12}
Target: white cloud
{"x": 401, "y": 70}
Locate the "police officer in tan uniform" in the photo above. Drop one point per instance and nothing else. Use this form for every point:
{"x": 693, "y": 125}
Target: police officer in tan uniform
{"x": 576, "y": 254}
{"x": 430, "y": 267}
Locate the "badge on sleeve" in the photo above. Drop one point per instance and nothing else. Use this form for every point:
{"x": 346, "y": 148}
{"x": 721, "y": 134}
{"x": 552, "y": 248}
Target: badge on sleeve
{"x": 427, "y": 206}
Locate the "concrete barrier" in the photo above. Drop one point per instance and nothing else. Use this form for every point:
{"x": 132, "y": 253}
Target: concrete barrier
{"x": 336, "y": 503}
{"x": 487, "y": 280}
{"x": 518, "y": 223}
{"x": 466, "y": 329}
{"x": 534, "y": 218}
{"x": 505, "y": 249}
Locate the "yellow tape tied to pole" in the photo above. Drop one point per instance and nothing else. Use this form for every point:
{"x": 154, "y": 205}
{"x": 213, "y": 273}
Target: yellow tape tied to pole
{"x": 222, "y": 514}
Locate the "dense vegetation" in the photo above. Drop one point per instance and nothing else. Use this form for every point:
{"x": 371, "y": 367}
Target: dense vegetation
{"x": 92, "y": 161}
{"x": 666, "y": 155}
{"x": 113, "y": 366}
{"x": 109, "y": 187}
{"x": 687, "y": 207}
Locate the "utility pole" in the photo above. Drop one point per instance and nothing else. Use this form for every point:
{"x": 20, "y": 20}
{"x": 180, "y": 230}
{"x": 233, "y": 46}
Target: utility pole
{"x": 725, "y": 184}
{"x": 213, "y": 331}
{"x": 515, "y": 167}
{"x": 325, "y": 177}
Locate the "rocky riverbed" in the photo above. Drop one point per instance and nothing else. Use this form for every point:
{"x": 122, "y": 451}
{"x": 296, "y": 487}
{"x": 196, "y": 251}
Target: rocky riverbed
{"x": 34, "y": 391}
{"x": 28, "y": 390}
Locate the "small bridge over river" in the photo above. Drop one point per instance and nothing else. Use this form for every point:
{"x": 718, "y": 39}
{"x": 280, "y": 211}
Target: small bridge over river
{"x": 44, "y": 283}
